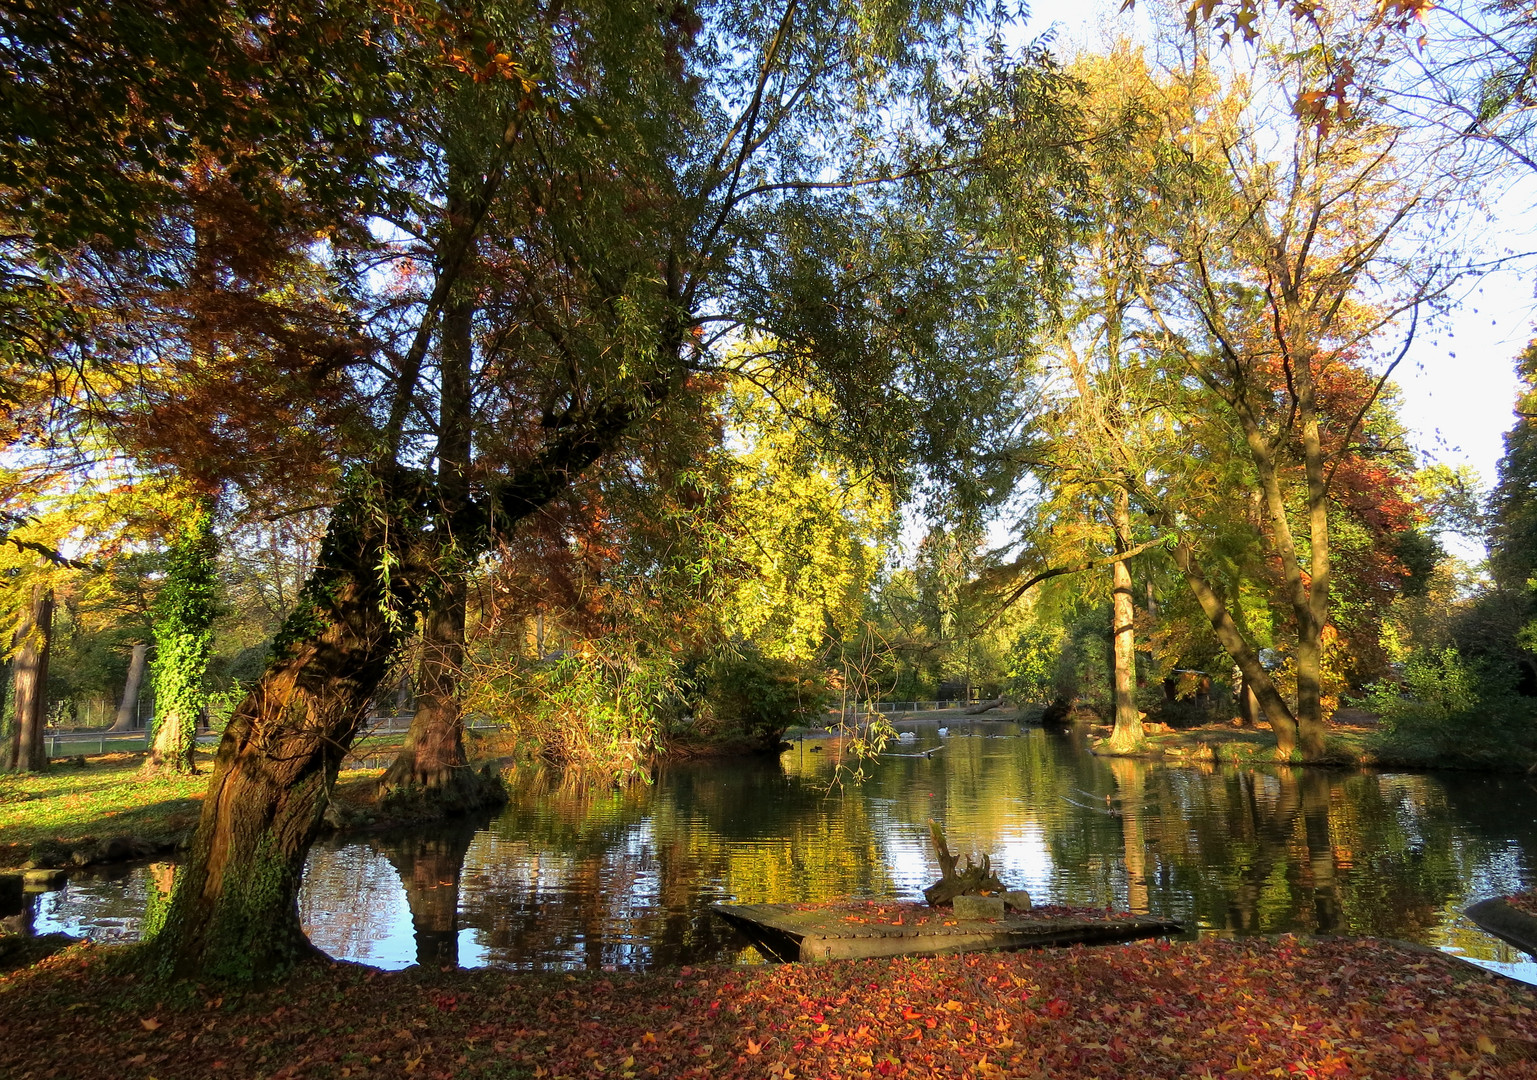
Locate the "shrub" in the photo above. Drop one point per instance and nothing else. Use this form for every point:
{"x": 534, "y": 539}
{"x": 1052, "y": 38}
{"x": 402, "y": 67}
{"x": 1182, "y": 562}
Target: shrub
{"x": 754, "y": 697}
{"x": 1449, "y": 711}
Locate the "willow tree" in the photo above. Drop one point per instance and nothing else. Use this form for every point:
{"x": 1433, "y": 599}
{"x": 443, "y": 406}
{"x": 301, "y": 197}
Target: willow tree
{"x": 617, "y": 190}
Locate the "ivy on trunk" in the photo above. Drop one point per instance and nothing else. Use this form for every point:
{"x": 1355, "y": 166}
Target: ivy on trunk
{"x": 184, "y": 612}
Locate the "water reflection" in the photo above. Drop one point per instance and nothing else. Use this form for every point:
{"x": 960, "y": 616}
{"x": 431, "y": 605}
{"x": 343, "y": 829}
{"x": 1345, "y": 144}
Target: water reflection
{"x": 570, "y": 878}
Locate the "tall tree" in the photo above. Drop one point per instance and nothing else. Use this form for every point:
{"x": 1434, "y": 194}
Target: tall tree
{"x": 672, "y": 174}
{"x": 1289, "y": 261}
{"x": 184, "y": 614}
{"x": 128, "y": 708}
{"x": 32, "y": 643}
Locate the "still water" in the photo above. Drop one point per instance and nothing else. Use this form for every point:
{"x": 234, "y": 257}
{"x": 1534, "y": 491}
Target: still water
{"x": 569, "y": 878}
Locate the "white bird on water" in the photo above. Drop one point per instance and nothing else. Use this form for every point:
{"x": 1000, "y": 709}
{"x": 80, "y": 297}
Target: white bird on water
{"x": 906, "y": 736}
{"x": 944, "y": 731}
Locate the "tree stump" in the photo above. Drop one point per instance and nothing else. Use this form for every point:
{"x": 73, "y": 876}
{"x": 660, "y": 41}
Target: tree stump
{"x": 975, "y": 880}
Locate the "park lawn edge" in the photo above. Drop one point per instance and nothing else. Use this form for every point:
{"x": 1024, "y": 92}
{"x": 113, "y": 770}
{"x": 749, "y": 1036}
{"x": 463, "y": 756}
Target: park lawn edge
{"x": 1220, "y": 1008}
{"x": 101, "y": 838}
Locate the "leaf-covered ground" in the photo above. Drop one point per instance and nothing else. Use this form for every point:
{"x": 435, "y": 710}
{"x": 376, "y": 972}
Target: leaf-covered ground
{"x": 1524, "y": 902}
{"x": 1283, "y": 1008}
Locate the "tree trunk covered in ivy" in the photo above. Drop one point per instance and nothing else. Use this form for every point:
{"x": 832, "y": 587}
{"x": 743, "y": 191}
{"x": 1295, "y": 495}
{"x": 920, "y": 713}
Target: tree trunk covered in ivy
{"x": 32, "y": 644}
{"x": 184, "y": 613}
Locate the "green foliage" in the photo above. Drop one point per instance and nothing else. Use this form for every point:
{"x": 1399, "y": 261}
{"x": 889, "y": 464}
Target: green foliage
{"x": 222, "y": 705}
{"x": 755, "y": 697}
{"x": 811, "y": 530}
{"x": 599, "y": 713}
{"x": 1032, "y": 662}
{"x": 1083, "y": 667}
{"x": 1452, "y": 711}
{"x": 1512, "y": 505}
{"x": 183, "y": 625}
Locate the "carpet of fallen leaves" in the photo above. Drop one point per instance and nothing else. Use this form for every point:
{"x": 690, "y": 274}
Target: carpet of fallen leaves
{"x": 1276, "y": 1007}
{"x": 1524, "y": 902}
{"x": 879, "y": 913}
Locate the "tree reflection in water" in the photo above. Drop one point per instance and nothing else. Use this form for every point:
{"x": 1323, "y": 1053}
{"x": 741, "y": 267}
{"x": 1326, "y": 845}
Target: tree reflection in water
{"x": 568, "y": 876}
{"x": 430, "y": 865}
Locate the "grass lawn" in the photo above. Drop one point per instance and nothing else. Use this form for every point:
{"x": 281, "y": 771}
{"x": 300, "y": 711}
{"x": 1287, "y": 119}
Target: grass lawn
{"x": 1348, "y": 744}
{"x": 1271, "y": 1007}
{"x": 70, "y": 808}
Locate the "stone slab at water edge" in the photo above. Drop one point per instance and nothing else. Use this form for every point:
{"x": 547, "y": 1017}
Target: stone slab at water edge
{"x": 856, "y": 930}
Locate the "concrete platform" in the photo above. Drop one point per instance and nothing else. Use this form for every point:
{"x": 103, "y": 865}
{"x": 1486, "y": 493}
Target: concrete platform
{"x": 1506, "y": 922}
{"x": 789, "y": 932}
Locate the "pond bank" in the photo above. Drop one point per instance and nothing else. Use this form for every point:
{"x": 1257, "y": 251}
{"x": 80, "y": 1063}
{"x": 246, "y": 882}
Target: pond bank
{"x": 1343, "y": 1007}
{"x": 103, "y": 812}
{"x": 1510, "y": 918}
{"x": 1354, "y": 745}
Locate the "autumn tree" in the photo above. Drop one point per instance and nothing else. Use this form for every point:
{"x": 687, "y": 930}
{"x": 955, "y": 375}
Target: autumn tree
{"x": 184, "y": 614}
{"x": 1286, "y": 264}
{"x": 608, "y": 258}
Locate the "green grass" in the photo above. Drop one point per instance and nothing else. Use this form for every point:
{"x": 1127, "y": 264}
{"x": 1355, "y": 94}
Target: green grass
{"x": 1224, "y": 743}
{"x": 70, "y": 808}
{"x": 68, "y": 805}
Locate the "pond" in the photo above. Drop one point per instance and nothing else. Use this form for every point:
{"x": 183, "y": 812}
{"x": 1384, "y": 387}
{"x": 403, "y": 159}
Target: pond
{"x": 565, "y": 878}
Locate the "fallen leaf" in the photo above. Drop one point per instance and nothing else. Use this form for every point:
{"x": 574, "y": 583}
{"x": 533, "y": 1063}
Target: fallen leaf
{"x": 151, "y": 1024}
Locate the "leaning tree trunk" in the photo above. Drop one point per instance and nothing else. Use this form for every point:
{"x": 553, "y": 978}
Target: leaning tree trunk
{"x": 233, "y": 911}
{"x": 127, "y": 709}
{"x": 1127, "y": 735}
{"x": 1282, "y": 722}
{"x": 1308, "y": 591}
{"x": 33, "y": 643}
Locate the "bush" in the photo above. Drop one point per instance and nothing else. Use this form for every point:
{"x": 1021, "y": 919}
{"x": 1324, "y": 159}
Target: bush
{"x": 1449, "y": 711}
{"x": 754, "y": 697}
{"x": 1032, "y": 663}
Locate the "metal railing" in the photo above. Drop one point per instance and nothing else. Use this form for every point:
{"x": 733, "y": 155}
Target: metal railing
{"x": 909, "y": 706}
{"x": 76, "y": 743}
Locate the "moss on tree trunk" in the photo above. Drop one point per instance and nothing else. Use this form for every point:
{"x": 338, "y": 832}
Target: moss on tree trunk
{"x": 233, "y": 912}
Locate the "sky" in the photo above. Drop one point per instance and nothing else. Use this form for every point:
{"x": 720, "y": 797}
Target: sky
{"x": 1458, "y": 381}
